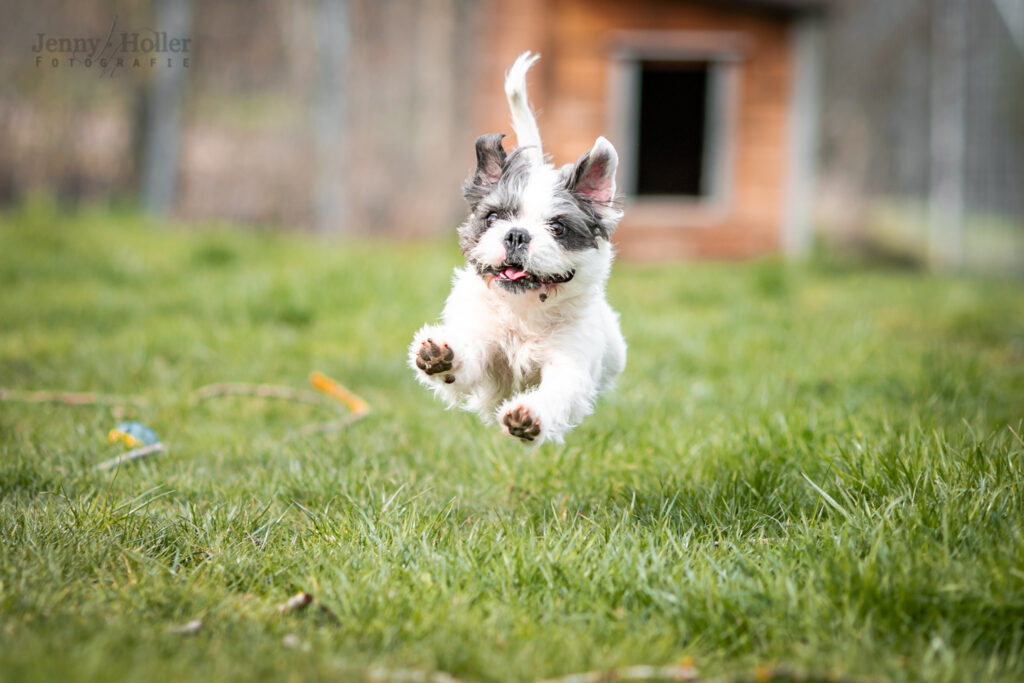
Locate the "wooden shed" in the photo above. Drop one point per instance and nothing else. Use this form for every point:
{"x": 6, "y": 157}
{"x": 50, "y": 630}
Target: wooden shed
{"x": 711, "y": 104}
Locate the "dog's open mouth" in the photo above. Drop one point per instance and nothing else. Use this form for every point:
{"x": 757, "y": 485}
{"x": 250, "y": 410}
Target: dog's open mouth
{"x": 513, "y": 276}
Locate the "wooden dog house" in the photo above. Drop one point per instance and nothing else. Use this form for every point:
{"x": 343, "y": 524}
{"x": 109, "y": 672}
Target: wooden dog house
{"x": 711, "y": 105}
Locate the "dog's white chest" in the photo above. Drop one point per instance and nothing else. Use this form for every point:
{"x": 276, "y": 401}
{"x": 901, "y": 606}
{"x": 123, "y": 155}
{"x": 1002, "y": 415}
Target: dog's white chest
{"x": 522, "y": 353}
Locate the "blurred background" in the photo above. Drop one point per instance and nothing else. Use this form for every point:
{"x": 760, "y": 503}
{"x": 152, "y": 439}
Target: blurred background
{"x": 893, "y": 129}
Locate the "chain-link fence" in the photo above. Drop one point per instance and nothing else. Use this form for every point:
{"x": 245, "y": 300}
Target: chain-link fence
{"x": 923, "y": 130}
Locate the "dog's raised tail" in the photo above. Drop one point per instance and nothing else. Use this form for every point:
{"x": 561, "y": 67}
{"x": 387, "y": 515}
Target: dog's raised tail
{"x": 523, "y": 122}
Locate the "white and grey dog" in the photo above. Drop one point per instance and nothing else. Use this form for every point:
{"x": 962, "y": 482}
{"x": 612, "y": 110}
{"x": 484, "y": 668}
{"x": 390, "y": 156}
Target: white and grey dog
{"x": 527, "y": 338}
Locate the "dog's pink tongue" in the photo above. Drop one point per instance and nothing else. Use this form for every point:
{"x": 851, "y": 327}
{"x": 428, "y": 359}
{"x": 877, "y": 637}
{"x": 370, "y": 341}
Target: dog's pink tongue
{"x": 513, "y": 274}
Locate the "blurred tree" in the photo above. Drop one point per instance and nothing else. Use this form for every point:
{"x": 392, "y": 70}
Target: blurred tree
{"x": 331, "y": 211}
{"x": 162, "y": 124}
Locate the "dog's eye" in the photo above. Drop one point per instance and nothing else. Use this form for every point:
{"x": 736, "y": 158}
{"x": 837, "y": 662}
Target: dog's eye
{"x": 557, "y": 228}
{"x": 491, "y": 219}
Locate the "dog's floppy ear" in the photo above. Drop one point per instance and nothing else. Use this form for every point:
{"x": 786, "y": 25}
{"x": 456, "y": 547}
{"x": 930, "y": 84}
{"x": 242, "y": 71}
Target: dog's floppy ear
{"x": 593, "y": 176}
{"x": 490, "y": 162}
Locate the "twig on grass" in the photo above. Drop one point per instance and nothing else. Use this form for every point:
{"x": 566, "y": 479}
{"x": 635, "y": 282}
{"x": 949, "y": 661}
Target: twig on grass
{"x": 130, "y": 455}
{"x": 326, "y": 386}
{"x": 68, "y": 398}
{"x": 358, "y": 408}
{"x": 688, "y": 672}
{"x": 257, "y": 390}
{"x": 381, "y": 675}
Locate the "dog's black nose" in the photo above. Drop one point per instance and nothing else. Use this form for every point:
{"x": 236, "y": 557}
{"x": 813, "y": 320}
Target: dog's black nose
{"x": 516, "y": 238}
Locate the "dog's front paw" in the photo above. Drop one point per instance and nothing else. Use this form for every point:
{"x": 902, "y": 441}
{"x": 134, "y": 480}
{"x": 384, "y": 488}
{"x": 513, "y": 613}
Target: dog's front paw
{"x": 435, "y": 360}
{"x": 519, "y": 423}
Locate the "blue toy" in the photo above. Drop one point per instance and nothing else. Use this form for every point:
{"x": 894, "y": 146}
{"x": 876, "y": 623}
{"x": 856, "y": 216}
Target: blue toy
{"x": 133, "y": 434}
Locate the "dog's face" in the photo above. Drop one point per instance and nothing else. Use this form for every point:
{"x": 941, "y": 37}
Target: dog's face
{"x": 533, "y": 227}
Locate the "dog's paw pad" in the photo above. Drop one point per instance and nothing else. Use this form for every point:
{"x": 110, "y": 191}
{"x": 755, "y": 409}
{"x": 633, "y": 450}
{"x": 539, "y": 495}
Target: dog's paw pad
{"x": 433, "y": 359}
{"x": 520, "y": 424}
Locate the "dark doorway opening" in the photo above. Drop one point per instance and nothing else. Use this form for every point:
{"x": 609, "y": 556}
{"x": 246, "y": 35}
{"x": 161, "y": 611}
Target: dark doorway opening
{"x": 672, "y": 128}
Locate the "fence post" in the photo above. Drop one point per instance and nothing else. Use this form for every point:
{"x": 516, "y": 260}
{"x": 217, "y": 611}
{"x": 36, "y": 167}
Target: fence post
{"x": 331, "y": 209}
{"x": 162, "y": 134}
{"x": 949, "y": 44}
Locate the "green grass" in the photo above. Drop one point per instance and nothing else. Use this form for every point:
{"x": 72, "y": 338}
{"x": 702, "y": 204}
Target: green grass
{"x": 810, "y": 467}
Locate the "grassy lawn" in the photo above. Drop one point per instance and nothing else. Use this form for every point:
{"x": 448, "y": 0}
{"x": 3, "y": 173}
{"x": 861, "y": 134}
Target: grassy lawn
{"x": 807, "y": 469}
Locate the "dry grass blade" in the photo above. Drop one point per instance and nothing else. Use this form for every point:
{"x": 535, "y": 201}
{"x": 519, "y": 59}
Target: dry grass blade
{"x": 380, "y": 675}
{"x": 687, "y": 672}
{"x": 296, "y": 602}
{"x": 640, "y": 672}
{"x": 188, "y": 628}
{"x": 130, "y": 455}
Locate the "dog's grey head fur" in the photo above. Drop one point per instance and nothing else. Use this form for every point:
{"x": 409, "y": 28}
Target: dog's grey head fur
{"x": 558, "y": 215}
